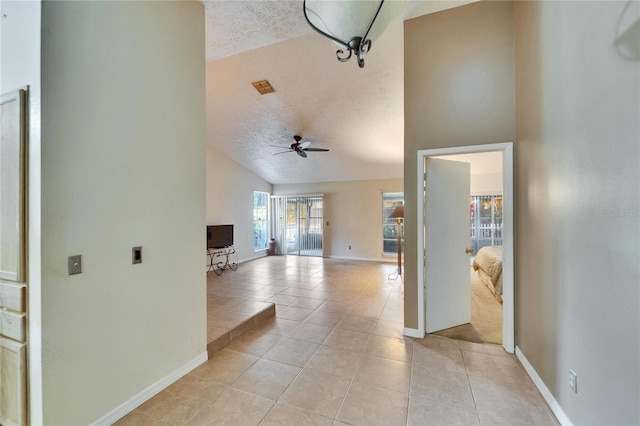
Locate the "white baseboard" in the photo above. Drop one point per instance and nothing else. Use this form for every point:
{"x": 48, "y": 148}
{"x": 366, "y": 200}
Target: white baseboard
{"x": 137, "y": 400}
{"x": 256, "y": 255}
{"x": 546, "y": 393}
{"x": 368, "y": 259}
{"x": 413, "y": 332}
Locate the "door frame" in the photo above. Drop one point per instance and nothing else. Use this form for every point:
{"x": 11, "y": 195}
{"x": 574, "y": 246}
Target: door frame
{"x": 508, "y": 301}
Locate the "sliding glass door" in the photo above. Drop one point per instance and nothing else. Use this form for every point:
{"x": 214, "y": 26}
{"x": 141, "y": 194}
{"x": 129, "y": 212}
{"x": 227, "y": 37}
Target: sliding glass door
{"x": 298, "y": 224}
{"x": 486, "y": 221}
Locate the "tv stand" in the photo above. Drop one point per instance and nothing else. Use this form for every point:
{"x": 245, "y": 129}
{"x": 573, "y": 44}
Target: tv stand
{"x": 221, "y": 259}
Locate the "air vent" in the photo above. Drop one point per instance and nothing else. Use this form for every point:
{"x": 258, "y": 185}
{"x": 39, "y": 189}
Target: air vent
{"x": 263, "y": 87}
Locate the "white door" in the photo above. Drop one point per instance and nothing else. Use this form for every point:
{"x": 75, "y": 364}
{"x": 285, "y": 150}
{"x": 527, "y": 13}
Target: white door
{"x": 448, "y": 281}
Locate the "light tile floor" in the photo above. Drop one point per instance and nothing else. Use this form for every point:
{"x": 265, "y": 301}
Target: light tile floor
{"x": 335, "y": 355}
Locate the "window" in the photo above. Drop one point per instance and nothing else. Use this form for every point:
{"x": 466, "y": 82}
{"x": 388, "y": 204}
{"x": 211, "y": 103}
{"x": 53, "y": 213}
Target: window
{"x": 486, "y": 221}
{"x": 260, "y": 220}
{"x": 390, "y": 226}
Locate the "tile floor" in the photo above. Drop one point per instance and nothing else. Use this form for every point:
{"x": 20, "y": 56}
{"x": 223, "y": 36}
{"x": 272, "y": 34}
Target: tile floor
{"x": 230, "y": 311}
{"x": 334, "y": 354}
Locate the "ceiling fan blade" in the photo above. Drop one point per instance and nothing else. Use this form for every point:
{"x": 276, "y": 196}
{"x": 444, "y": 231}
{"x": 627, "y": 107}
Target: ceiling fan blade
{"x": 316, "y": 149}
{"x": 304, "y": 144}
{"x": 302, "y": 154}
{"x": 283, "y": 152}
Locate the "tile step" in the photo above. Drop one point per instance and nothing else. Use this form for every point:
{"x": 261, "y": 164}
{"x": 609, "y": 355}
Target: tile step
{"x": 240, "y": 329}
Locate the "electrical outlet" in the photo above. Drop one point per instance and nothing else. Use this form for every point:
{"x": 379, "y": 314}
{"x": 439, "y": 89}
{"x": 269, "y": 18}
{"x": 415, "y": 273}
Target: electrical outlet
{"x": 573, "y": 381}
{"x": 349, "y": 247}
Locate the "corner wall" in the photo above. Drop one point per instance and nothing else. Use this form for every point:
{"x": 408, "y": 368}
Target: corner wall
{"x": 353, "y": 210}
{"x": 578, "y": 203}
{"x": 123, "y": 86}
{"x": 459, "y": 90}
{"x": 230, "y": 189}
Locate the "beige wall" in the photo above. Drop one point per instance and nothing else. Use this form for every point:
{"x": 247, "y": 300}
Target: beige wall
{"x": 577, "y": 181}
{"x": 459, "y": 90}
{"x": 123, "y": 164}
{"x": 230, "y": 200}
{"x": 486, "y": 184}
{"x": 354, "y": 212}
{"x": 578, "y": 203}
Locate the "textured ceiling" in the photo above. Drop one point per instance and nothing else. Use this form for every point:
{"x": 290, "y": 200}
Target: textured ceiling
{"x": 237, "y": 26}
{"x": 356, "y": 113}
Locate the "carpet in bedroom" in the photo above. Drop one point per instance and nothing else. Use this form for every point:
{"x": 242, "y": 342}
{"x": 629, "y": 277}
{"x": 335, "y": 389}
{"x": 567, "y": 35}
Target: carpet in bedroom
{"x": 486, "y": 317}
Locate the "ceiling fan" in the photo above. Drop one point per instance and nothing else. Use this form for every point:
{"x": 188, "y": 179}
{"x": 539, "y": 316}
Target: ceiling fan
{"x": 301, "y": 148}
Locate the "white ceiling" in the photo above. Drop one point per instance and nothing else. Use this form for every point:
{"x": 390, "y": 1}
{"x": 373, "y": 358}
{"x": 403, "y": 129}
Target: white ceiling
{"x": 356, "y": 113}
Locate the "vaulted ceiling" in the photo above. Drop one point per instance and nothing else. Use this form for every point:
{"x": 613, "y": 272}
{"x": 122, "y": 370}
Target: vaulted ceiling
{"x": 356, "y": 113}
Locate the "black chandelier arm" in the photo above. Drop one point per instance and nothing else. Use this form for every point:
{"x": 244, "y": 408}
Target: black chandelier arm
{"x": 365, "y": 47}
{"x": 365, "y": 44}
{"x": 343, "y": 58}
{"x": 304, "y": 10}
{"x": 360, "y": 60}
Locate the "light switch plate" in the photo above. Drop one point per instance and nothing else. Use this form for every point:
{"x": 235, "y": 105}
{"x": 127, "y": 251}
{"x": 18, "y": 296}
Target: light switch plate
{"x": 75, "y": 264}
{"x": 136, "y": 255}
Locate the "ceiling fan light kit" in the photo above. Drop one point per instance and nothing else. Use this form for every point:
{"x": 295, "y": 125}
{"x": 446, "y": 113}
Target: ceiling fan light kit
{"x": 351, "y": 24}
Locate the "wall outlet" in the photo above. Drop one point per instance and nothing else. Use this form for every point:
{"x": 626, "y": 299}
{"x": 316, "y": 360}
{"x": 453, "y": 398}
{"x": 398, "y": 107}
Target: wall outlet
{"x": 349, "y": 247}
{"x": 573, "y": 381}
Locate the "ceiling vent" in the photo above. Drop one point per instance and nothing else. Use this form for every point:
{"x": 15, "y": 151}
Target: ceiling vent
{"x": 263, "y": 87}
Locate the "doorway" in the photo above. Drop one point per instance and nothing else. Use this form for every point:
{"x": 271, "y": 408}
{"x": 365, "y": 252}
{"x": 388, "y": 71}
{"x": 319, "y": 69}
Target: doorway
{"x": 430, "y": 275}
{"x": 484, "y": 218}
{"x": 298, "y": 225}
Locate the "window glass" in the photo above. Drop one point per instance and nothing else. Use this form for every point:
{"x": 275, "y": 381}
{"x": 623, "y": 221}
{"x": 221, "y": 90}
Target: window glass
{"x": 486, "y": 221}
{"x": 260, "y": 220}
{"x": 390, "y": 225}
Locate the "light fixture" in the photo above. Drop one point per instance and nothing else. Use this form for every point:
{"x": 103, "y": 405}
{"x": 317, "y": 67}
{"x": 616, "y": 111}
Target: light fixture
{"x": 398, "y": 213}
{"x": 352, "y": 24}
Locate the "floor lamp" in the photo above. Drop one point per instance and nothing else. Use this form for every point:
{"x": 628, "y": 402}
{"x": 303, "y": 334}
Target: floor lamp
{"x": 398, "y": 213}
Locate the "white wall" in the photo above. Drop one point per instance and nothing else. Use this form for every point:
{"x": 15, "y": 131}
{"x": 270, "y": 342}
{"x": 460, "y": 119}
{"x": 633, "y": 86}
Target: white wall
{"x": 123, "y": 165}
{"x": 230, "y": 200}
{"x": 19, "y": 67}
{"x": 578, "y": 203}
{"x": 354, "y": 212}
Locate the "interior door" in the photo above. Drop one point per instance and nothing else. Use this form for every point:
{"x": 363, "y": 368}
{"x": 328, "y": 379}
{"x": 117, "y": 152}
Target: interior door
{"x": 447, "y": 272}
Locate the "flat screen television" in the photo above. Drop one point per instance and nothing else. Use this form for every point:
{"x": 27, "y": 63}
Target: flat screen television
{"x": 219, "y": 236}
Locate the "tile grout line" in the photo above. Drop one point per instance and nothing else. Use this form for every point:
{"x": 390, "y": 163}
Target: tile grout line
{"x": 473, "y": 396}
{"x": 413, "y": 352}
